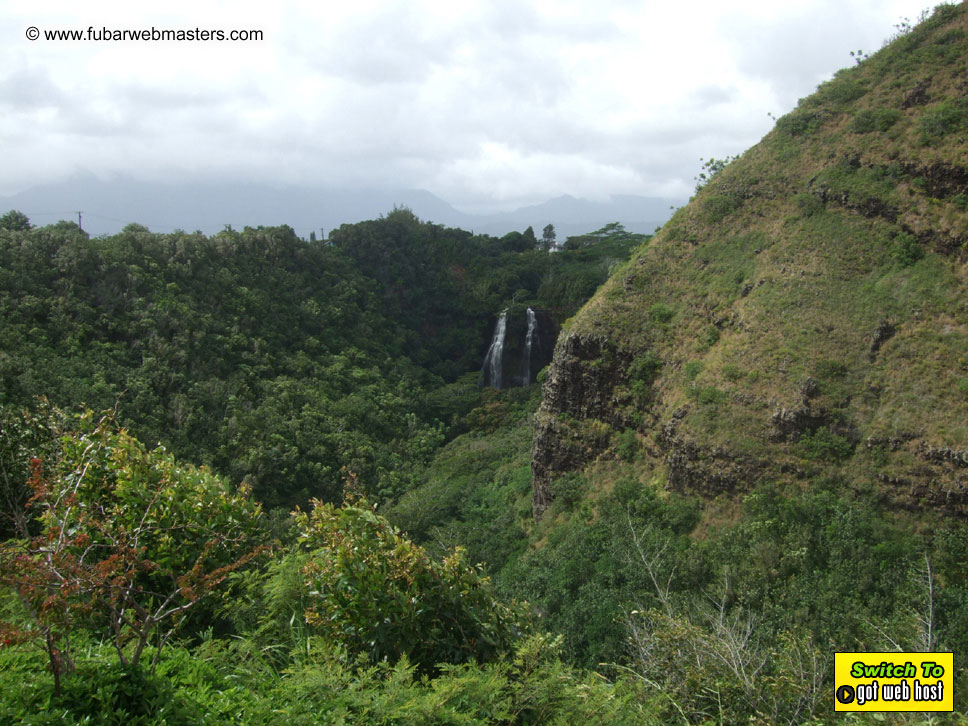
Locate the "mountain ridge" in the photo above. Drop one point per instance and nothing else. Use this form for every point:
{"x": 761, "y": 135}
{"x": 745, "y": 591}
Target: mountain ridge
{"x": 803, "y": 316}
{"x": 107, "y": 206}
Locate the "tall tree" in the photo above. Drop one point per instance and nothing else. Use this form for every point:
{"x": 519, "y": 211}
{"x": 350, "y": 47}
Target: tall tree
{"x": 548, "y": 237}
{"x": 16, "y": 221}
{"x": 529, "y": 236}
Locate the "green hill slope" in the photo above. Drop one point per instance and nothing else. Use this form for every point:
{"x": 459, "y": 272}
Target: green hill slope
{"x": 806, "y": 315}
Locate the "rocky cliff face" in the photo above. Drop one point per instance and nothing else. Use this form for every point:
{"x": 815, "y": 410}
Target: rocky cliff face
{"x": 586, "y": 400}
{"x": 580, "y": 388}
{"x": 805, "y": 316}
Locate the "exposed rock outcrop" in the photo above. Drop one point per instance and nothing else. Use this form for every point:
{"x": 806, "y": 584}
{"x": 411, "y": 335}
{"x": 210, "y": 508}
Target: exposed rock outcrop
{"x": 580, "y": 389}
{"x": 884, "y": 332}
{"x": 788, "y": 424}
{"x": 944, "y": 455}
{"x": 710, "y": 472}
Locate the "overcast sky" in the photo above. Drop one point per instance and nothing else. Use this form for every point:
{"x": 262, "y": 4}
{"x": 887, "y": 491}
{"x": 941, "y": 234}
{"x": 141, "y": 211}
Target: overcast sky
{"x": 489, "y": 105}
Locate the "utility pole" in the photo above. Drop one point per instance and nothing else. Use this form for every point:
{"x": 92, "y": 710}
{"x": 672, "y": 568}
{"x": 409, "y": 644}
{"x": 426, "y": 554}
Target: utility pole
{"x": 79, "y": 221}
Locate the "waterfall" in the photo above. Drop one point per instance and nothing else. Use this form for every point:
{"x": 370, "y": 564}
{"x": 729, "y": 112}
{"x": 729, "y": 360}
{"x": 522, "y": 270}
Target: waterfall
{"x": 528, "y": 341}
{"x": 492, "y": 361}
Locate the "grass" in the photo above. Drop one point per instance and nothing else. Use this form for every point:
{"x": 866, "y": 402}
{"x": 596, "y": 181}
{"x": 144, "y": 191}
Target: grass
{"x": 789, "y": 260}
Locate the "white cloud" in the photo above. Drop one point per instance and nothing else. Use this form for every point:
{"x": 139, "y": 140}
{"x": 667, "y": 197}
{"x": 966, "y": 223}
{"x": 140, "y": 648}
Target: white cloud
{"x": 481, "y": 102}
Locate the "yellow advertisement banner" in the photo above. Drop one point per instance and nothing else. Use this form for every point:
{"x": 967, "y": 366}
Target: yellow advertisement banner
{"x": 893, "y": 681}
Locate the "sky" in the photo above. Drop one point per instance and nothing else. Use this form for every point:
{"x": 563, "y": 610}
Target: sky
{"x": 489, "y": 105}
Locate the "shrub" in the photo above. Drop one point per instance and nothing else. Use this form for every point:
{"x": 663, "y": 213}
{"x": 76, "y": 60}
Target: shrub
{"x": 643, "y": 371}
{"x": 874, "y": 119}
{"x": 840, "y": 91}
{"x": 799, "y": 123}
{"x": 732, "y": 372}
{"x": 938, "y": 122}
{"x": 569, "y": 488}
{"x": 692, "y": 369}
{"x": 718, "y": 206}
{"x": 828, "y": 369}
{"x": 710, "y": 337}
{"x": 708, "y": 395}
{"x": 963, "y": 387}
{"x": 627, "y": 445}
{"x": 129, "y": 542}
{"x": 122, "y": 696}
{"x": 808, "y": 204}
{"x": 906, "y": 250}
{"x": 824, "y": 444}
{"x": 376, "y": 593}
{"x": 661, "y": 313}
{"x": 726, "y": 651}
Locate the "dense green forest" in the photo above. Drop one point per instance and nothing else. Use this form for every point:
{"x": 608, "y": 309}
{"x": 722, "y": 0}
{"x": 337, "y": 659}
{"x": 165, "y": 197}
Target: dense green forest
{"x": 255, "y": 479}
{"x": 305, "y": 373}
{"x": 279, "y": 362}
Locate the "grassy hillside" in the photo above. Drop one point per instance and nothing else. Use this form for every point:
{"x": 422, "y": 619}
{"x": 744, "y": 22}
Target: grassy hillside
{"x": 807, "y": 313}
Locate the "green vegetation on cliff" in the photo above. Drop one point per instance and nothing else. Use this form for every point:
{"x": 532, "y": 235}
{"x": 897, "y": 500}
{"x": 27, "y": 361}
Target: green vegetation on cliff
{"x": 806, "y": 311}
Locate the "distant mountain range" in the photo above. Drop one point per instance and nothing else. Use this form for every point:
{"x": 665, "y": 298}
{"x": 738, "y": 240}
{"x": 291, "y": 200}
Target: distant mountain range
{"x": 107, "y": 206}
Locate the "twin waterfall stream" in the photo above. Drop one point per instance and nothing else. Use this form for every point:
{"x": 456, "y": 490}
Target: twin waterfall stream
{"x": 501, "y": 356}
